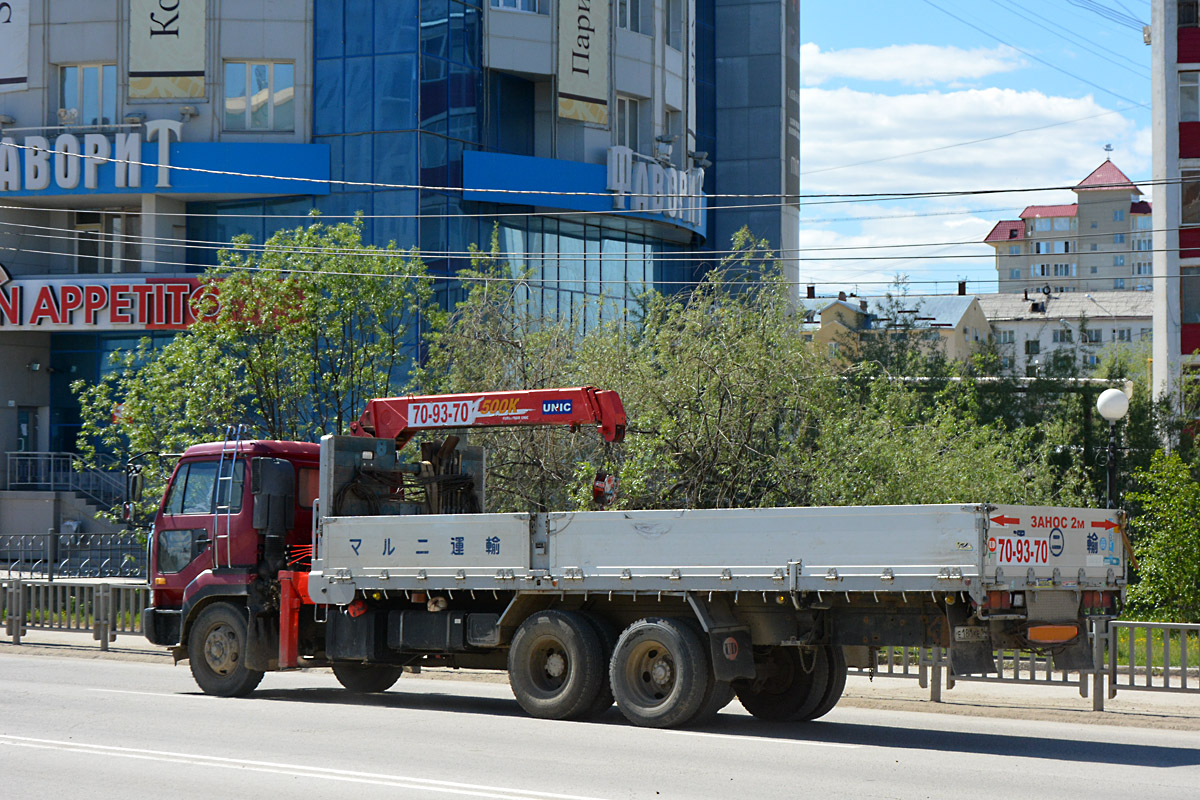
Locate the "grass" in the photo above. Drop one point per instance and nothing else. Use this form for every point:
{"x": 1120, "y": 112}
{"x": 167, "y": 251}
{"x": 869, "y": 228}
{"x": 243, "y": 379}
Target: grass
{"x": 1157, "y": 646}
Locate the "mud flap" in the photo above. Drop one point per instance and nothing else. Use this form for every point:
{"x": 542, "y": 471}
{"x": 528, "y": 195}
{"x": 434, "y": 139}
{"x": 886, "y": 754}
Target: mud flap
{"x": 262, "y": 649}
{"x": 970, "y": 645}
{"x": 1076, "y": 656}
{"x": 732, "y": 653}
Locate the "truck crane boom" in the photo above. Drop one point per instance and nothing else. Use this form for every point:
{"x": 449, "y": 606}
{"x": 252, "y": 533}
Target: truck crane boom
{"x": 401, "y": 418}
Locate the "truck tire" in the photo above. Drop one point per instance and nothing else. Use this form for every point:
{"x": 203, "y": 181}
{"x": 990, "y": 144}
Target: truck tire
{"x": 366, "y": 678}
{"x": 608, "y": 643}
{"x": 556, "y": 665}
{"x": 794, "y": 685}
{"x": 660, "y": 673}
{"x": 217, "y": 647}
{"x": 837, "y": 684}
{"x": 719, "y": 695}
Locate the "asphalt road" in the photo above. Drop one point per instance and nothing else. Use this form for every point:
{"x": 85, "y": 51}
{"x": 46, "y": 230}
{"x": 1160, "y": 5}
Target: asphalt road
{"x": 97, "y": 728}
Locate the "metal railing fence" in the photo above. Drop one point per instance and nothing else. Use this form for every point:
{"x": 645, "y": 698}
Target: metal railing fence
{"x": 1137, "y": 656}
{"x": 67, "y": 472}
{"x": 104, "y": 609}
{"x": 73, "y": 555}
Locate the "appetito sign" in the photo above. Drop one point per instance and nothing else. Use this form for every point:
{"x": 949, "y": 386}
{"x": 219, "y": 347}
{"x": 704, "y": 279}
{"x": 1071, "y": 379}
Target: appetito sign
{"x": 163, "y": 303}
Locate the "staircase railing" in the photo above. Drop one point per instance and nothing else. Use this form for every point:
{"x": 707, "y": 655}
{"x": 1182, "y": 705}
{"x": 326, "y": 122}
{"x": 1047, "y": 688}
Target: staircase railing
{"x": 58, "y": 472}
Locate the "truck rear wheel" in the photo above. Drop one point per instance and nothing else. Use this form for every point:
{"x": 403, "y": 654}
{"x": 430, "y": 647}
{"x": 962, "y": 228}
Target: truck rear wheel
{"x": 837, "y": 684}
{"x": 660, "y": 673}
{"x": 608, "y": 643}
{"x": 217, "y": 647}
{"x": 793, "y": 685}
{"x": 556, "y": 665}
{"x": 366, "y": 678}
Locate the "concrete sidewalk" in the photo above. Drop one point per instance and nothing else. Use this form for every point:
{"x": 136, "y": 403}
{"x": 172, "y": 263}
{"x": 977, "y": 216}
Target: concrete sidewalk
{"x": 1059, "y": 703}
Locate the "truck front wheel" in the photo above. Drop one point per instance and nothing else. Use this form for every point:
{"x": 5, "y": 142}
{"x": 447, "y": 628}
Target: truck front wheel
{"x": 366, "y": 678}
{"x": 659, "y": 673}
{"x": 556, "y": 665}
{"x": 217, "y": 647}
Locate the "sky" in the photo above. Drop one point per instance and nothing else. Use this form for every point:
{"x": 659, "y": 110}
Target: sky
{"x": 910, "y": 86}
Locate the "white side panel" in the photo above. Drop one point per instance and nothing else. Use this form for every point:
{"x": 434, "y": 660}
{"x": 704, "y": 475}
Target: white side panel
{"x": 857, "y": 542}
{"x": 438, "y": 545}
{"x": 1082, "y": 544}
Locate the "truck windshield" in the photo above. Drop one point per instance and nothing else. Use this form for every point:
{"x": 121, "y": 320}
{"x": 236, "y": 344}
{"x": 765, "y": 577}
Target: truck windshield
{"x": 195, "y": 489}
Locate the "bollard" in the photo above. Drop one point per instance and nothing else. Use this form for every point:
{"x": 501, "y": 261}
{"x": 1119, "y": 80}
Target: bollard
{"x": 102, "y": 616}
{"x": 1099, "y": 635}
{"x": 935, "y": 685}
{"x": 16, "y": 611}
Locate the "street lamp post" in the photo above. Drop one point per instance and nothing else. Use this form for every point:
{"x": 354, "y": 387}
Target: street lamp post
{"x": 1112, "y": 405}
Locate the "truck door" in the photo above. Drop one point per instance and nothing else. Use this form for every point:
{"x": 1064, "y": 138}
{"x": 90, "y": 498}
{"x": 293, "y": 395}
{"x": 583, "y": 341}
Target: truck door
{"x": 191, "y": 528}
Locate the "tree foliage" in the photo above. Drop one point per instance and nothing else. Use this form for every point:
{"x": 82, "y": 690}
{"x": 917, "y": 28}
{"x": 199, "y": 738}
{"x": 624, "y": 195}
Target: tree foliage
{"x": 293, "y": 337}
{"x": 1167, "y": 541}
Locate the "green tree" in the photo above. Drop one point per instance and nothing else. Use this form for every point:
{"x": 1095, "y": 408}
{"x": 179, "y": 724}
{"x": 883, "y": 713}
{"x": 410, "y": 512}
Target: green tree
{"x": 292, "y": 338}
{"x": 1166, "y": 541}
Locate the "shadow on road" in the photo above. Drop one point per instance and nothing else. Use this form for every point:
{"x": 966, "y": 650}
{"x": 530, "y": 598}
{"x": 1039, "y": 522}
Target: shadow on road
{"x": 884, "y": 736}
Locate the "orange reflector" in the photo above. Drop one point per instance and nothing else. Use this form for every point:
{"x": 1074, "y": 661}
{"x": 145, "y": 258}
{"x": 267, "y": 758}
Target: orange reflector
{"x": 1052, "y": 634}
{"x": 160, "y": 581}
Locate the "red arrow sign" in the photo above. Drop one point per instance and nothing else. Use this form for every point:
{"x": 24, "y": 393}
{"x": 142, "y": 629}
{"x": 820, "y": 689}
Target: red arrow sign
{"x": 1108, "y": 523}
{"x": 1003, "y": 520}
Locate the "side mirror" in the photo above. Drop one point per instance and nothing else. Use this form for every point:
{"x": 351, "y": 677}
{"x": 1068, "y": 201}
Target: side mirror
{"x": 137, "y": 483}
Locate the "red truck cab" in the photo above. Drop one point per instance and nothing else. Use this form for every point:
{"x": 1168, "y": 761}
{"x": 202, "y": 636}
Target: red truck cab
{"x": 221, "y": 526}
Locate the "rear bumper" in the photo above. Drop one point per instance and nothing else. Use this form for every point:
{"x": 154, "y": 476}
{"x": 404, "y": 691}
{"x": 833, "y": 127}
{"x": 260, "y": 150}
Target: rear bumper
{"x": 161, "y": 625}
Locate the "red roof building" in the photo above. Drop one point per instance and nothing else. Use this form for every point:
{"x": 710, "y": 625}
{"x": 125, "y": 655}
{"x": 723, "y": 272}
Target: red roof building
{"x": 1101, "y": 242}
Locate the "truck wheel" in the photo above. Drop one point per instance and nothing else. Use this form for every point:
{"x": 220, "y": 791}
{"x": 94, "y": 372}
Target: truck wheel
{"x": 608, "y": 643}
{"x": 217, "y": 647}
{"x": 659, "y": 673}
{"x": 556, "y": 665}
{"x": 366, "y": 678}
{"x": 719, "y": 695}
{"x": 837, "y": 684}
{"x": 793, "y": 684}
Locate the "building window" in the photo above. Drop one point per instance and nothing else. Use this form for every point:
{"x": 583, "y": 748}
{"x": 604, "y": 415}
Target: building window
{"x": 1142, "y": 244}
{"x": 1118, "y": 283}
{"x": 1119, "y": 215}
{"x": 87, "y": 94}
{"x": 1118, "y": 261}
{"x": 1143, "y": 268}
{"x": 1094, "y": 270}
{"x": 1144, "y": 222}
{"x": 1064, "y": 270}
{"x": 532, "y": 6}
{"x": 1062, "y": 223}
{"x": 675, "y": 24}
{"x": 1042, "y": 224}
{"x": 1190, "y": 197}
{"x": 1143, "y": 287}
{"x": 1041, "y": 247}
{"x": 1091, "y": 359}
{"x": 1062, "y": 336}
{"x": 1122, "y": 335}
{"x": 1014, "y": 249}
{"x": 1094, "y": 247}
{"x": 629, "y": 15}
{"x": 1118, "y": 238}
{"x": 1188, "y": 13}
{"x": 1032, "y": 347}
{"x": 1189, "y": 96}
{"x": 628, "y": 122}
{"x": 1091, "y": 336}
{"x": 1039, "y": 270}
{"x": 259, "y": 96}
{"x": 1014, "y": 274}
{"x": 1006, "y": 362}
{"x": 1005, "y": 337}
{"x": 1144, "y": 333}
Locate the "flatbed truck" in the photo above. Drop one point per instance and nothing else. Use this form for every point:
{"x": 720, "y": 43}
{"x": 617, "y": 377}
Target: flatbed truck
{"x": 283, "y": 555}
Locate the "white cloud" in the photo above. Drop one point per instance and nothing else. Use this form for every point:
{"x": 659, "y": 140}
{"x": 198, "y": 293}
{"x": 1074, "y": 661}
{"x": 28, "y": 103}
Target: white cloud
{"x": 909, "y": 64}
{"x": 853, "y": 141}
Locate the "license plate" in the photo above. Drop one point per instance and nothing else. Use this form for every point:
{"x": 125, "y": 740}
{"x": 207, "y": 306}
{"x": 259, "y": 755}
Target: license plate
{"x": 971, "y": 633}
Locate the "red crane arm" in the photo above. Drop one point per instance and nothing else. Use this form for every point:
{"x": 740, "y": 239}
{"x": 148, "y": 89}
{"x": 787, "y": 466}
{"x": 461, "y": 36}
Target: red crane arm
{"x": 401, "y": 418}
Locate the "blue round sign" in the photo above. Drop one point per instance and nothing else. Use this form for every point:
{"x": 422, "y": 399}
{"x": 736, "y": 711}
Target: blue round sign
{"x": 1056, "y": 543}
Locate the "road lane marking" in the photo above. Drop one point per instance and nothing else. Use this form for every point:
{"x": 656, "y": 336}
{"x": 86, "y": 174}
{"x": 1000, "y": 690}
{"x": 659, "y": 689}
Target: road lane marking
{"x": 291, "y": 770}
{"x": 756, "y": 739}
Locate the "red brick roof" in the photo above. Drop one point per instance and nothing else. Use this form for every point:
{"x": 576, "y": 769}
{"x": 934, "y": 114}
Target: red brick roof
{"x": 1107, "y": 176}
{"x": 1141, "y": 207}
{"x": 1050, "y": 211}
{"x": 1006, "y": 230}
